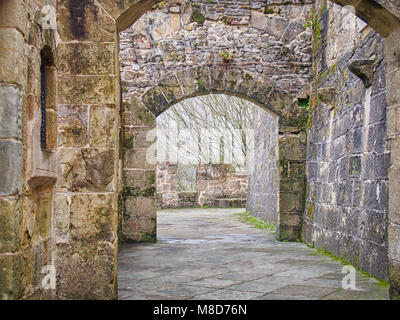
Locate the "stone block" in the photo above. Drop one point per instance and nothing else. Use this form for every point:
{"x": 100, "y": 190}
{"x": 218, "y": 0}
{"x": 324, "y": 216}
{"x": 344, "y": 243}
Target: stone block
{"x": 392, "y": 60}
{"x": 140, "y": 229}
{"x": 85, "y": 21}
{"x": 290, "y": 148}
{"x": 87, "y": 58}
{"x": 72, "y": 125}
{"x": 392, "y": 83}
{"x": 141, "y": 115}
{"x": 140, "y": 207}
{"x": 217, "y": 80}
{"x": 395, "y": 151}
{"x": 86, "y": 170}
{"x": 142, "y": 179}
{"x": 276, "y": 26}
{"x": 187, "y": 79}
{"x": 12, "y": 66}
{"x": 42, "y": 257}
{"x": 295, "y": 27}
{"x": 61, "y": 217}
{"x": 115, "y": 9}
{"x": 86, "y": 89}
{"x": 393, "y": 242}
{"x": 168, "y": 25}
{"x": 239, "y": 81}
{"x": 51, "y": 87}
{"x": 154, "y": 100}
{"x": 290, "y": 219}
{"x": 51, "y": 130}
{"x": 393, "y": 121}
{"x": 93, "y": 217}
{"x": 258, "y": 20}
{"x": 287, "y": 233}
{"x": 13, "y": 14}
{"x": 260, "y": 92}
{"x": 26, "y": 271}
{"x": 9, "y": 224}
{"x": 9, "y": 269}
{"x": 143, "y": 137}
{"x": 11, "y": 167}
{"x": 103, "y": 130}
{"x": 86, "y": 270}
{"x": 43, "y": 216}
{"x": 291, "y": 202}
{"x": 171, "y": 88}
{"x": 139, "y": 159}
{"x": 10, "y": 111}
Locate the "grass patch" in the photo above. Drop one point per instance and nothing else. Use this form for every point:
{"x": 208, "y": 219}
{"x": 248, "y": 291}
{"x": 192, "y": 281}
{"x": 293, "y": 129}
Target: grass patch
{"x": 380, "y": 282}
{"x": 254, "y": 222}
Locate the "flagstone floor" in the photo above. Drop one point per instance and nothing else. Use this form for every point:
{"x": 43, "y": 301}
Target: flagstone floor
{"x": 211, "y": 254}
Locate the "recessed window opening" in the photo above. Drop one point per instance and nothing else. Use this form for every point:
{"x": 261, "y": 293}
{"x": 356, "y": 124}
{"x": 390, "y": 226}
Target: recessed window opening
{"x": 45, "y": 69}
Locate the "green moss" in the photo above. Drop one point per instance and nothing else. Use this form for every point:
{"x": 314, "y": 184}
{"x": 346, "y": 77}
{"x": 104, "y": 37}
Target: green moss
{"x": 124, "y": 86}
{"x": 128, "y": 144}
{"x": 312, "y": 245}
{"x": 145, "y": 116}
{"x": 310, "y": 211}
{"x": 152, "y": 178}
{"x": 197, "y": 17}
{"x": 248, "y": 77}
{"x": 323, "y": 8}
{"x": 380, "y": 282}
{"x": 255, "y": 222}
{"x": 268, "y": 11}
{"x": 315, "y": 26}
{"x": 138, "y": 192}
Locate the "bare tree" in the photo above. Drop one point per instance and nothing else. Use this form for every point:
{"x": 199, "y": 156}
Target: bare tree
{"x": 214, "y": 128}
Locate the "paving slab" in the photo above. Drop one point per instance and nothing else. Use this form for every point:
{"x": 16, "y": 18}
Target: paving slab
{"x": 211, "y": 254}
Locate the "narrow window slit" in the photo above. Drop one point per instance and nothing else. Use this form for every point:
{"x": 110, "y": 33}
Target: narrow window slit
{"x": 43, "y": 107}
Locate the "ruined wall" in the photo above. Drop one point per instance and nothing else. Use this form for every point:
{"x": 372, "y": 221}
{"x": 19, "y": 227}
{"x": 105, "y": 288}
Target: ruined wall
{"x": 262, "y": 199}
{"x": 27, "y": 164}
{"x": 348, "y": 155}
{"x": 267, "y": 39}
{"x": 217, "y": 185}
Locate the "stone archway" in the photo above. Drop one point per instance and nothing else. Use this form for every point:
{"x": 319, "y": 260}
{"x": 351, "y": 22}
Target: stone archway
{"x": 96, "y": 83}
{"x": 90, "y": 85}
{"x": 84, "y": 244}
{"x": 138, "y": 217}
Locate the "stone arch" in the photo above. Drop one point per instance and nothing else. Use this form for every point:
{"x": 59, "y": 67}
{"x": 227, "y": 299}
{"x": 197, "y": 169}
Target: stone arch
{"x": 196, "y": 81}
{"x": 223, "y": 79}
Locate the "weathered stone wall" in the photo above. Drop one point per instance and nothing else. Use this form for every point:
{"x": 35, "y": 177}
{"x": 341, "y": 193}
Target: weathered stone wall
{"x": 268, "y": 41}
{"x": 27, "y": 171}
{"x": 263, "y": 197}
{"x": 217, "y": 185}
{"x": 348, "y": 155}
